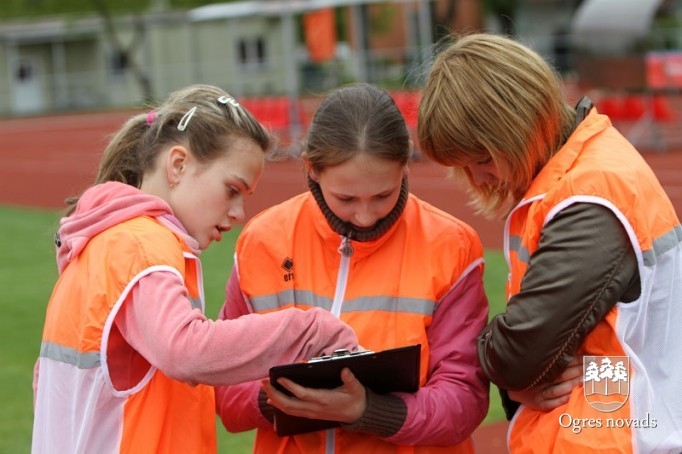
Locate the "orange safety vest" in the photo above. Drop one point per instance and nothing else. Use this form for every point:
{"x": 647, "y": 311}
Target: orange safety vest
{"x": 391, "y": 291}
{"x": 77, "y": 408}
{"x": 597, "y": 165}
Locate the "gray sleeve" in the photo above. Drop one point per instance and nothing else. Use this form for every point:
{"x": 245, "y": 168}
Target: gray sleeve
{"x": 583, "y": 266}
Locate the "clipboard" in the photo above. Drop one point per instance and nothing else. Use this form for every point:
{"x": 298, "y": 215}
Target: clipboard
{"x": 391, "y": 370}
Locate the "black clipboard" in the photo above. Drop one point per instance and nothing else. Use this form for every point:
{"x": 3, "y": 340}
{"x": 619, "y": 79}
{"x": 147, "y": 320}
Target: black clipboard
{"x": 391, "y": 370}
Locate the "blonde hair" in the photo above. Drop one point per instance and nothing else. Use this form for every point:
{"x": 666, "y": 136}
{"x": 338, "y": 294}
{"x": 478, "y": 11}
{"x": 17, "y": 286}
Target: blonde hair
{"x": 203, "y": 117}
{"x": 490, "y": 97}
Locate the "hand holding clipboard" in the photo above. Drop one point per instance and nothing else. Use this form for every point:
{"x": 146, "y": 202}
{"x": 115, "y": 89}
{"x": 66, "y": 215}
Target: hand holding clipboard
{"x": 382, "y": 372}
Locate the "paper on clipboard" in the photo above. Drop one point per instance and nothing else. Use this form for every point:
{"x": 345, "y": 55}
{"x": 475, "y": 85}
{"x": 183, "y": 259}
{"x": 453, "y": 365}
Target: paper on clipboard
{"x": 382, "y": 372}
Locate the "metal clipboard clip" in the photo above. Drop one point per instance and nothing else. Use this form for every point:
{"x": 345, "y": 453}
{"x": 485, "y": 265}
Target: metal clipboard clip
{"x": 339, "y": 354}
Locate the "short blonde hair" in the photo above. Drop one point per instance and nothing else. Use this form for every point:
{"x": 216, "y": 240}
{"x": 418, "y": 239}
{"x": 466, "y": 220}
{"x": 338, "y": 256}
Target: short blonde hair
{"x": 490, "y": 97}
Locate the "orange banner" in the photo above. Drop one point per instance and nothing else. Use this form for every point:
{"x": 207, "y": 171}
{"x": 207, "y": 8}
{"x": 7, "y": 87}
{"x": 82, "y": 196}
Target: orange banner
{"x": 320, "y": 34}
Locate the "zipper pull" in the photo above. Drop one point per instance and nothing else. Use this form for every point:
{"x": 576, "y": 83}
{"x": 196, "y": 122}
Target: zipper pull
{"x": 346, "y": 249}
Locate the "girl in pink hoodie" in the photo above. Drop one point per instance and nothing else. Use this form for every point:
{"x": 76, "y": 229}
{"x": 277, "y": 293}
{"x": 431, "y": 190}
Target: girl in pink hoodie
{"x": 128, "y": 357}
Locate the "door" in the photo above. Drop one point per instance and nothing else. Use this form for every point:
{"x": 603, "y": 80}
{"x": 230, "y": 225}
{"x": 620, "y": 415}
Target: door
{"x": 27, "y": 88}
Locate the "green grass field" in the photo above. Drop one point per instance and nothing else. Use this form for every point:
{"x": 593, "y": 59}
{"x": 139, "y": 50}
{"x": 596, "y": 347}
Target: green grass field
{"x": 27, "y": 276}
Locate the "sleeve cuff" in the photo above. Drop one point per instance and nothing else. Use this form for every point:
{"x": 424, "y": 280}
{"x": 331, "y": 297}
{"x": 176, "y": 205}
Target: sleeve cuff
{"x": 384, "y": 415}
{"x": 266, "y": 410}
{"x": 510, "y": 406}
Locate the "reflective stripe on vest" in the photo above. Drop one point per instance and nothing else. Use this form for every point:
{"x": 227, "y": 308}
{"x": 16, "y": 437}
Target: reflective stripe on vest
{"x": 283, "y": 269}
{"x": 375, "y": 303}
{"x": 597, "y": 165}
{"x": 77, "y": 408}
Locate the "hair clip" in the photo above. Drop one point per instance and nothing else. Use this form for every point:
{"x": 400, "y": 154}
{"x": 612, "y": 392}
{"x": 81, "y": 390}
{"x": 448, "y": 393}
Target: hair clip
{"x": 228, "y": 100}
{"x": 151, "y": 116}
{"x": 186, "y": 118}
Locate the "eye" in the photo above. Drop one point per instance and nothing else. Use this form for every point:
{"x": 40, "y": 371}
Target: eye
{"x": 383, "y": 196}
{"x": 232, "y": 192}
{"x": 484, "y": 161}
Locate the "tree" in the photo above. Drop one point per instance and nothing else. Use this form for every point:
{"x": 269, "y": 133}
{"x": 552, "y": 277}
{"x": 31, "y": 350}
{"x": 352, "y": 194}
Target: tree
{"x": 12, "y": 9}
{"x": 126, "y": 53}
{"x": 109, "y": 11}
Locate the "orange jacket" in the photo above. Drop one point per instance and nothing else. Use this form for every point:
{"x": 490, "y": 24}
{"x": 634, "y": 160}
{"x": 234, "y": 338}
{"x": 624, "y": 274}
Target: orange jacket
{"x": 388, "y": 291}
{"x": 77, "y": 408}
{"x": 597, "y": 165}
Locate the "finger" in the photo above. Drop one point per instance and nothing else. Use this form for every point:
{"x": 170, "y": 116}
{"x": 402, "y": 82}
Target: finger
{"x": 568, "y": 386}
{"x": 277, "y": 397}
{"x": 560, "y": 389}
{"x": 265, "y": 384}
{"x": 356, "y": 406}
{"x": 571, "y": 372}
{"x": 350, "y": 381}
{"x": 553, "y": 392}
{"x": 551, "y": 404}
{"x": 515, "y": 396}
{"x": 575, "y": 361}
{"x": 294, "y": 388}
{"x": 280, "y": 400}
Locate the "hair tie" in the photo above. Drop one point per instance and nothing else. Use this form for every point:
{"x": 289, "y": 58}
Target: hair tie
{"x": 151, "y": 116}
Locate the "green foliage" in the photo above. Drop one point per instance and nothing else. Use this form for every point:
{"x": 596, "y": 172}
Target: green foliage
{"x": 12, "y": 9}
{"x": 181, "y": 4}
{"x": 36, "y": 8}
{"x": 494, "y": 280}
{"x": 217, "y": 264}
{"x": 27, "y": 276}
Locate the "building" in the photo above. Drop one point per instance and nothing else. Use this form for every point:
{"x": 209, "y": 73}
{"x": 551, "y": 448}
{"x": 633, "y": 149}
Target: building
{"x": 256, "y": 49}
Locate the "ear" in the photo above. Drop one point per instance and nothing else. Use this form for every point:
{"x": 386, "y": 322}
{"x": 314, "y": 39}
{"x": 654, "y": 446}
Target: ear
{"x": 176, "y": 161}
{"x": 309, "y": 170}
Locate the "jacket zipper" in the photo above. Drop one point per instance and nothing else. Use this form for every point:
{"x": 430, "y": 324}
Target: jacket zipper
{"x": 346, "y": 250}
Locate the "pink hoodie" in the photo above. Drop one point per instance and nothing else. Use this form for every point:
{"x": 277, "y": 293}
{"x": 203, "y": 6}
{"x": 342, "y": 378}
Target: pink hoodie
{"x": 159, "y": 324}
{"x": 101, "y": 207}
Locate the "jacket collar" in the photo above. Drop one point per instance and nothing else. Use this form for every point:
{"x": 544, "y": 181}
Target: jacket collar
{"x": 334, "y": 240}
{"x": 593, "y": 124}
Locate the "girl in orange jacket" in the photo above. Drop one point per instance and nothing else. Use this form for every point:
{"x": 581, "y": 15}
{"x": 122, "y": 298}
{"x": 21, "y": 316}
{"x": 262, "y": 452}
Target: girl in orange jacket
{"x": 594, "y": 248}
{"x": 127, "y": 355}
{"x": 395, "y": 268}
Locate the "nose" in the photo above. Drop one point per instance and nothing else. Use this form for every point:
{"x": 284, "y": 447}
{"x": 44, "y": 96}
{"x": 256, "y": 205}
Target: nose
{"x": 480, "y": 177}
{"x": 236, "y": 211}
{"x": 364, "y": 217}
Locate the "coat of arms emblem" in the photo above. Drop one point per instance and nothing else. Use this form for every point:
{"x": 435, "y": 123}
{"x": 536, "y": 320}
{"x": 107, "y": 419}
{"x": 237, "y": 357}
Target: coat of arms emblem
{"x": 606, "y": 381}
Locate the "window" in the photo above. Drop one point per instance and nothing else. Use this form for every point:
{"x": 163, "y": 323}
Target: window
{"x": 252, "y": 52}
{"x": 119, "y": 62}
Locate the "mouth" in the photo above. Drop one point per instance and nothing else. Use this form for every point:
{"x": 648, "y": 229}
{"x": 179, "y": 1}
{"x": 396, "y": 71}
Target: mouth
{"x": 219, "y": 233}
{"x": 362, "y": 229}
